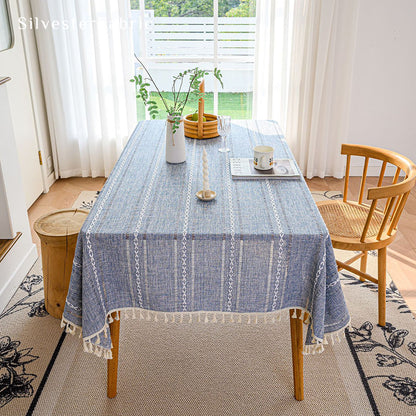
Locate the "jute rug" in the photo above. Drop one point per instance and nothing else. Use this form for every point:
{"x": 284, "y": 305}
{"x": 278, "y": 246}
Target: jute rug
{"x": 205, "y": 368}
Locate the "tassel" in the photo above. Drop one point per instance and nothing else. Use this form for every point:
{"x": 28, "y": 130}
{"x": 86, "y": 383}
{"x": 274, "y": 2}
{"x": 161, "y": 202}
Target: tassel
{"x": 199, "y": 316}
{"x": 148, "y": 316}
{"x": 273, "y": 319}
{"x": 173, "y": 318}
{"x": 181, "y": 320}
{"x": 279, "y": 317}
{"x": 240, "y": 318}
{"x": 190, "y": 318}
{"x": 302, "y": 313}
{"x": 98, "y": 351}
{"x": 223, "y": 318}
{"x": 85, "y": 346}
{"x": 166, "y": 318}
{"x": 134, "y": 313}
{"x": 214, "y": 320}
{"x": 206, "y": 318}
{"x": 265, "y": 318}
{"x": 256, "y": 321}
{"x": 155, "y": 319}
{"x": 338, "y": 339}
{"x": 332, "y": 339}
{"x": 249, "y": 319}
{"x": 141, "y": 315}
{"x": 294, "y": 315}
{"x": 232, "y": 318}
{"x": 110, "y": 319}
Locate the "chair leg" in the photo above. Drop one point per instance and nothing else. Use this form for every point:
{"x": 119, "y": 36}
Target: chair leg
{"x": 382, "y": 257}
{"x": 363, "y": 265}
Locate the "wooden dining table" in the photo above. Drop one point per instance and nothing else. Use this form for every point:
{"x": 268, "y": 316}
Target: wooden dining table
{"x": 150, "y": 249}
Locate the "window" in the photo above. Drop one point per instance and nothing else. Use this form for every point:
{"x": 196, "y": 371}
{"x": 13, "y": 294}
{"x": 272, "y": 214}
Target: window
{"x": 5, "y": 27}
{"x": 171, "y": 36}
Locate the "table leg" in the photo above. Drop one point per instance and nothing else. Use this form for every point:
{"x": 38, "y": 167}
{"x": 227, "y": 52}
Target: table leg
{"x": 112, "y": 365}
{"x": 296, "y": 334}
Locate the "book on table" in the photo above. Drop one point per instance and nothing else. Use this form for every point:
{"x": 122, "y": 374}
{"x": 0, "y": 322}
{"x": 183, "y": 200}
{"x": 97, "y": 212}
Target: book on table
{"x": 243, "y": 168}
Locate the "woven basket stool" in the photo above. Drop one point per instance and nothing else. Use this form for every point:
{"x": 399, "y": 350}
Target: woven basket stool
{"x": 58, "y": 233}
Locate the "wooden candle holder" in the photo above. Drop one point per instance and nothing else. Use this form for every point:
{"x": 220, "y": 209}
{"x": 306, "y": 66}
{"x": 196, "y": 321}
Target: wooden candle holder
{"x": 201, "y": 129}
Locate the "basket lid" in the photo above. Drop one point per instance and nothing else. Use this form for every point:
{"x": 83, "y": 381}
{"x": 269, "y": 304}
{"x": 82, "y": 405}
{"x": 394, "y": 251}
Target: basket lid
{"x": 60, "y": 223}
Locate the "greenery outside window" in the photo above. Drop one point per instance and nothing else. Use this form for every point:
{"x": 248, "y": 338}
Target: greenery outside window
{"x": 171, "y": 36}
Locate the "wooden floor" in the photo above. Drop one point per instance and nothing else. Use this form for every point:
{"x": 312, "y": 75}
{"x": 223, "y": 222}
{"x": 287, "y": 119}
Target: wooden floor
{"x": 401, "y": 260}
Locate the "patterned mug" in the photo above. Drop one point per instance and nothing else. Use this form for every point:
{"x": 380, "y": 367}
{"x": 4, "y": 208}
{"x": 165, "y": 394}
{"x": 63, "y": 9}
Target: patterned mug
{"x": 263, "y": 157}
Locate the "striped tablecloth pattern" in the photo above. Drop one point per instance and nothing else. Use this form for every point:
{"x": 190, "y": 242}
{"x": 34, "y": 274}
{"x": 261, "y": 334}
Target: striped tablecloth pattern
{"x": 149, "y": 248}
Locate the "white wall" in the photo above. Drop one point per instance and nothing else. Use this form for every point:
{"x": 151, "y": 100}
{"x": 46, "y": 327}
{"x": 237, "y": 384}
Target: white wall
{"x": 22, "y": 255}
{"x": 383, "y": 100}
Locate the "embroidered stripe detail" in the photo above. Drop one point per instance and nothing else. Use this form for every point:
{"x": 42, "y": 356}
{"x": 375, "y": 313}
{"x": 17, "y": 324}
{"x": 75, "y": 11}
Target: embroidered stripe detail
{"x": 269, "y": 277}
{"x": 280, "y": 248}
{"x": 98, "y": 213}
{"x": 76, "y": 308}
{"x": 175, "y": 273}
{"x": 232, "y": 239}
{"x": 222, "y": 274}
{"x": 185, "y": 231}
{"x": 138, "y": 226}
{"x": 240, "y": 265}
{"x": 146, "y": 283}
{"x": 318, "y": 273}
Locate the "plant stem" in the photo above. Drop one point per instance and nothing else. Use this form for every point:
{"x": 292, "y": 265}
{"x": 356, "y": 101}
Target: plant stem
{"x": 189, "y": 89}
{"x": 180, "y": 88}
{"x": 153, "y": 82}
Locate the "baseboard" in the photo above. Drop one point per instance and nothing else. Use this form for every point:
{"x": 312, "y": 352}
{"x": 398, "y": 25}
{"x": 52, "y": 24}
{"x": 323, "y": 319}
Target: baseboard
{"x": 50, "y": 180}
{"x": 10, "y": 286}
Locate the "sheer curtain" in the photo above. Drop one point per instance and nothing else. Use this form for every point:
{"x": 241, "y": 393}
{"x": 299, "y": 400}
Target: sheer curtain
{"x": 314, "y": 109}
{"x": 86, "y": 57}
{"x": 274, "y": 20}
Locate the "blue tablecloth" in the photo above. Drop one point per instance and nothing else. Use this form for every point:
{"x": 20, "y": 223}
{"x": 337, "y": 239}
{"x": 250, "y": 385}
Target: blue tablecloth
{"x": 149, "y": 244}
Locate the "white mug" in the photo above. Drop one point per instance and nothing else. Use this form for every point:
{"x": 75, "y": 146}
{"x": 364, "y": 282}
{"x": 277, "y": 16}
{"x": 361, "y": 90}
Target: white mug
{"x": 263, "y": 157}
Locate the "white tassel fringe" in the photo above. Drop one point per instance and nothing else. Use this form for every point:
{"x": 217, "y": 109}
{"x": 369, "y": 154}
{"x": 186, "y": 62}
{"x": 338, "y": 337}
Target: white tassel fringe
{"x": 92, "y": 343}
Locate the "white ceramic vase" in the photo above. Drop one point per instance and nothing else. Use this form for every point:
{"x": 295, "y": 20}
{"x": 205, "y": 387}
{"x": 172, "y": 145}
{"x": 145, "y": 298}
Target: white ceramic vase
{"x": 175, "y": 142}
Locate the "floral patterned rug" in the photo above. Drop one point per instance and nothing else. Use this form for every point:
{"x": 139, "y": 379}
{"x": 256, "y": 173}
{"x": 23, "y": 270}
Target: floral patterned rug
{"x": 44, "y": 371}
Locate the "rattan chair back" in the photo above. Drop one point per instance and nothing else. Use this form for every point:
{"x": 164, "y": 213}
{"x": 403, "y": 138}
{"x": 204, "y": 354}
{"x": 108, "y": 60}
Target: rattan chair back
{"x": 391, "y": 197}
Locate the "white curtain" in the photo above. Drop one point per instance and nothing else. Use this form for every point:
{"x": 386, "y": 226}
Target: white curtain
{"x": 274, "y": 19}
{"x": 86, "y": 56}
{"x": 316, "y": 113}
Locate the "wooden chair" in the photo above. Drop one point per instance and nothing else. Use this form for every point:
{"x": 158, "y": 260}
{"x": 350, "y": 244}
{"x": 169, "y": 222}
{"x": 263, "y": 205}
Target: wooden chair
{"x": 357, "y": 226}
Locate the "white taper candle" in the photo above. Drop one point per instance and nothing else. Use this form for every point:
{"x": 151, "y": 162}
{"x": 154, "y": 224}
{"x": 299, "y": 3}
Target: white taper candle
{"x": 205, "y": 186}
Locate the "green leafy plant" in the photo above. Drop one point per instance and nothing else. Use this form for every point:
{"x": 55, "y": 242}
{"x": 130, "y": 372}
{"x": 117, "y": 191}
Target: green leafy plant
{"x": 194, "y": 78}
